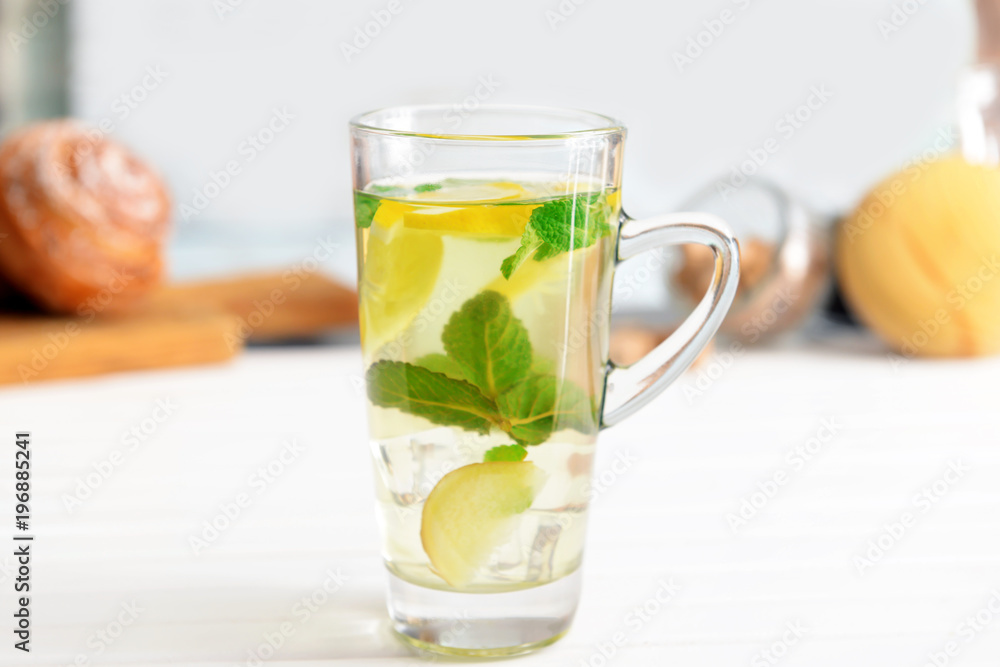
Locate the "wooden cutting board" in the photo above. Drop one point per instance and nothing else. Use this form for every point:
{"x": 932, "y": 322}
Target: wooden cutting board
{"x": 179, "y": 325}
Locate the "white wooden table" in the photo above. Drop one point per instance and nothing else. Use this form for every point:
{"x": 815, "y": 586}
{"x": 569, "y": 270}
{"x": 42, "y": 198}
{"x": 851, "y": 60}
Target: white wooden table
{"x": 116, "y": 579}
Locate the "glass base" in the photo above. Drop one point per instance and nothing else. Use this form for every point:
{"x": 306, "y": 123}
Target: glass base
{"x": 483, "y": 625}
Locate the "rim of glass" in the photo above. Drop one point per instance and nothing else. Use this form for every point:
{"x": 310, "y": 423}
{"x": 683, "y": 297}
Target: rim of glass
{"x": 602, "y": 124}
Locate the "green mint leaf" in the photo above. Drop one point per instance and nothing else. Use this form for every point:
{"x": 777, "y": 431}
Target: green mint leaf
{"x": 544, "y": 252}
{"x": 433, "y": 396}
{"x": 559, "y": 226}
{"x": 543, "y": 366}
{"x": 442, "y": 363}
{"x": 506, "y": 453}
{"x": 540, "y": 405}
{"x": 487, "y": 379}
{"x": 364, "y": 209}
{"x": 530, "y": 242}
{"x": 427, "y": 187}
{"x": 488, "y": 343}
{"x": 573, "y": 222}
{"x": 382, "y": 189}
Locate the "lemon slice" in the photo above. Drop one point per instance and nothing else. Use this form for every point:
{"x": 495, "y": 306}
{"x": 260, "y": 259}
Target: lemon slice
{"x": 400, "y": 271}
{"x": 471, "y": 511}
{"x": 532, "y": 273}
{"x": 479, "y": 219}
{"x": 390, "y": 213}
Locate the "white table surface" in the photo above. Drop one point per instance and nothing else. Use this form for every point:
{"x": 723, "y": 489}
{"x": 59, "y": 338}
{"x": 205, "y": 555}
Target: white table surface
{"x": 898, "y": 427}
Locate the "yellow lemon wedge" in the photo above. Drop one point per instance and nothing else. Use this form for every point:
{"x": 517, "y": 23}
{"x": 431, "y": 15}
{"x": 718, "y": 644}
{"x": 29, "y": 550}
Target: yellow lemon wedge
{"x": 614, "y": 200}
{"x": 390, "y": 212}
{"x": 471, "y": 511}
{"x": 400, "y": 271}
{"x": 532, "y": 274}
{"x": 486, "y": 220}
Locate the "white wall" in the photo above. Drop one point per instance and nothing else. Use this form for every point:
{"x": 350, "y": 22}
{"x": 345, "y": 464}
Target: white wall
{"x": 226, "y": 74}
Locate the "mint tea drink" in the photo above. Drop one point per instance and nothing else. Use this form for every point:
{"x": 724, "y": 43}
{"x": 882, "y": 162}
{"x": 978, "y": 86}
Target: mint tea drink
{"x": 484, "y": 300}
{"x": 483, "y": 422}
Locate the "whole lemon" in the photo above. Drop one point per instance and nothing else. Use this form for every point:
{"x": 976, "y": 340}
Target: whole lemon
{"x": 919, "y": 260}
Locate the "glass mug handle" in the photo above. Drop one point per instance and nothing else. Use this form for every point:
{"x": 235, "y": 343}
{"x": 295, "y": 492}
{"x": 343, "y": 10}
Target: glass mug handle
{"x": 628, "y": 388}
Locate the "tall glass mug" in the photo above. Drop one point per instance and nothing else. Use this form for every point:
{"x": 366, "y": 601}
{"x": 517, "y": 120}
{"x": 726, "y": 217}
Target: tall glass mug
{"x": 487, "y": 243}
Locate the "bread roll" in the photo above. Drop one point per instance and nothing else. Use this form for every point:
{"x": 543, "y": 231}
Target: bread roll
{"x": 82, "y": 220}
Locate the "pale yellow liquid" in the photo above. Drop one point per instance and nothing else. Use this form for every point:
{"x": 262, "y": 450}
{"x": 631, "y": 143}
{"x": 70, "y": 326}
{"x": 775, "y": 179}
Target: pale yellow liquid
{"x": 563, "y": 303}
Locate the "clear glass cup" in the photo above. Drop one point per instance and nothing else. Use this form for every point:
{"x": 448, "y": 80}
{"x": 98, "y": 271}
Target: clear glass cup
{"x": 487, "y": 242}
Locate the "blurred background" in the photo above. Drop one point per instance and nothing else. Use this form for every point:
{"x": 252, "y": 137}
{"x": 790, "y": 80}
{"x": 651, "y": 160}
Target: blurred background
{"x": 222, "y": 68}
